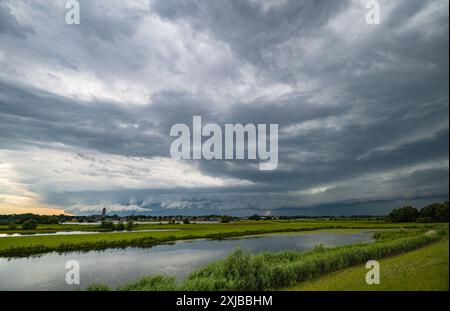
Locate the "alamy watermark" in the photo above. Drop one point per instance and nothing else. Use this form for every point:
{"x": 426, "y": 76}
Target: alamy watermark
{"x": 373, "y": 12}
{"x": 73, "y": 13}
{"x": 260, "y": 145}
{"x": 373, "y": 275}
{"x": 73, "y": 273}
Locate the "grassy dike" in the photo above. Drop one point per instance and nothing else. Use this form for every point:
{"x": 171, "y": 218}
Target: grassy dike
{"x": 270, "y": 271}
{"x": 425, "y": 269}
{"x": 34, "y": 245}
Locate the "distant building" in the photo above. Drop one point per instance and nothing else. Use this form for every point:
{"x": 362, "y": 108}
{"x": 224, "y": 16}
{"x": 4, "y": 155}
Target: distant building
{"x": 104, "y": 212}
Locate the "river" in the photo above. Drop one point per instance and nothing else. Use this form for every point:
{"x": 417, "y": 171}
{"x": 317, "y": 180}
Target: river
{"x": 118, "y": 266}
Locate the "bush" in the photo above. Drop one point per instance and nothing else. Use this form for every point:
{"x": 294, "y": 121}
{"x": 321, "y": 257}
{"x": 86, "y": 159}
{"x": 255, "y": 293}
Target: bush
{"x": 225, "y": 219}
{"x": 107, "y": 224}
{"x": 254, "y": 217}
{"x": 186, "y": 221}
{"x": 12, "y": 226}
{"x": 130, "y": 225}
{"x": 29, "y": 224}
{"x": 120, "y": 226}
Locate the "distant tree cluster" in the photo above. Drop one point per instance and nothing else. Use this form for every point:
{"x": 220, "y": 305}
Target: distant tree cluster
{"x": 225, "y": 219}
{"x": 29, "y": 224}
{"x": 120, "y": 226}
{"x": 39, "y": 219}
{"x": 437, "y": 212}
{"x": 14, "y": 220}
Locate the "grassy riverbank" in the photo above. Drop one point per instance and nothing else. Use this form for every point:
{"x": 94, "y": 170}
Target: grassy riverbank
{"x": 32, "y": 245}
{"x": 50, "y": 228}
{"x": 425, "y": 269}
{"x": 269, "y": 271}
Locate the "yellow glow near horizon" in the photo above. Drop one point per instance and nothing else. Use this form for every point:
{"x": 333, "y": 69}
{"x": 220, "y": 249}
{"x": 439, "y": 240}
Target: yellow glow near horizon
{"x": 15, "y": 198}
{"x": 40, "y": 210}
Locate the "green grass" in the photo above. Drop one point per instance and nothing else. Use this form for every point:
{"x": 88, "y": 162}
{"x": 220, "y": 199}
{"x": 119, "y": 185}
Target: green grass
{"x": 151, "y": 283}
{"x": 50, "y": 228}
{"x": 425, "y": 269}
{"x": 268, "y": 271}
{"x": 29, "y": 245}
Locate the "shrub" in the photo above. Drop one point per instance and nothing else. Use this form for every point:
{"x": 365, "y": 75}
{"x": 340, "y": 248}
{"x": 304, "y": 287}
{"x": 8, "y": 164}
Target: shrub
{"x": 29, "y": 224}
{"x": 107, "y": 224}
{"x": 120, "y": 226}
{"x": 130, "y": 225}
{"x": 225, "y": 219}
{"x": 254, "y": 217}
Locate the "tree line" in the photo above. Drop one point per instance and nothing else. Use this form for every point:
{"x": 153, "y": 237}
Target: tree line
{"x": 436, "y": 212}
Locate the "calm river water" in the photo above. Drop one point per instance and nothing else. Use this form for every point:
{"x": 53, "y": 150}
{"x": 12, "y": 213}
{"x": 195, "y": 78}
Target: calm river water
{"x": 118, "y": 266}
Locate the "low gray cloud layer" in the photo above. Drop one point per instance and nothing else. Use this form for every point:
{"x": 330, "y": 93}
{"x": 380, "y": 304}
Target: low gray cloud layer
{"x": 86, "y": 110}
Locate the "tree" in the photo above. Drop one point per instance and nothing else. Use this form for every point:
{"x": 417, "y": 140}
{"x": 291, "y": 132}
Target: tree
{"x": 12, "y": 226}
{"x": 404, "y": 214}
{"x": 120, "y": 226}
{"x": 29, "y": 224}
{"x": 107, "y": 224}
{"x": 186, "y": 221}
{"x": 225, "y": 219}
{"x": 254, "y": 217}
{"x": 130, "y": 225}
{"x": 442, "y": 212}
{"x": 437, "y": 212}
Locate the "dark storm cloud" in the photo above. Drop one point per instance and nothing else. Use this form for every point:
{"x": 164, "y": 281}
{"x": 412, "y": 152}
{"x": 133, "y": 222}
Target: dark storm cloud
{"x": 246, "y": 26}
{"x": 98, "y": 21}
{"x": 31, "y": 116}
{"x": 364, "y": 120}
{"x": 10, "y": 26}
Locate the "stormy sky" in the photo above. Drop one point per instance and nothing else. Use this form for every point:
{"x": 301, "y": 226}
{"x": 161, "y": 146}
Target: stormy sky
{"x": 86, "y": 110}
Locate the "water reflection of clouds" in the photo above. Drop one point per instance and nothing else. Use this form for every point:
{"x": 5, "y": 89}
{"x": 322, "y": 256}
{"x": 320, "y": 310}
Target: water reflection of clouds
{"x": 118, "y": 266}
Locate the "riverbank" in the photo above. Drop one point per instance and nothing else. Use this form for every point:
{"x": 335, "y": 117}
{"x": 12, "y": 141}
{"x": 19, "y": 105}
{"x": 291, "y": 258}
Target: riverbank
{"x": 268, "y": 271}
{"x": 425, "y": 269}
{"x": 120, "y": 266}
{"x": 34, "y": 245}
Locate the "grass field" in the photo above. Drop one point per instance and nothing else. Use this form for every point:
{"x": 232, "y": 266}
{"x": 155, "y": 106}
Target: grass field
{"x": 27, "y": 245}
{"x": 51, "y": 228}
{"x": 425, "y": 269}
